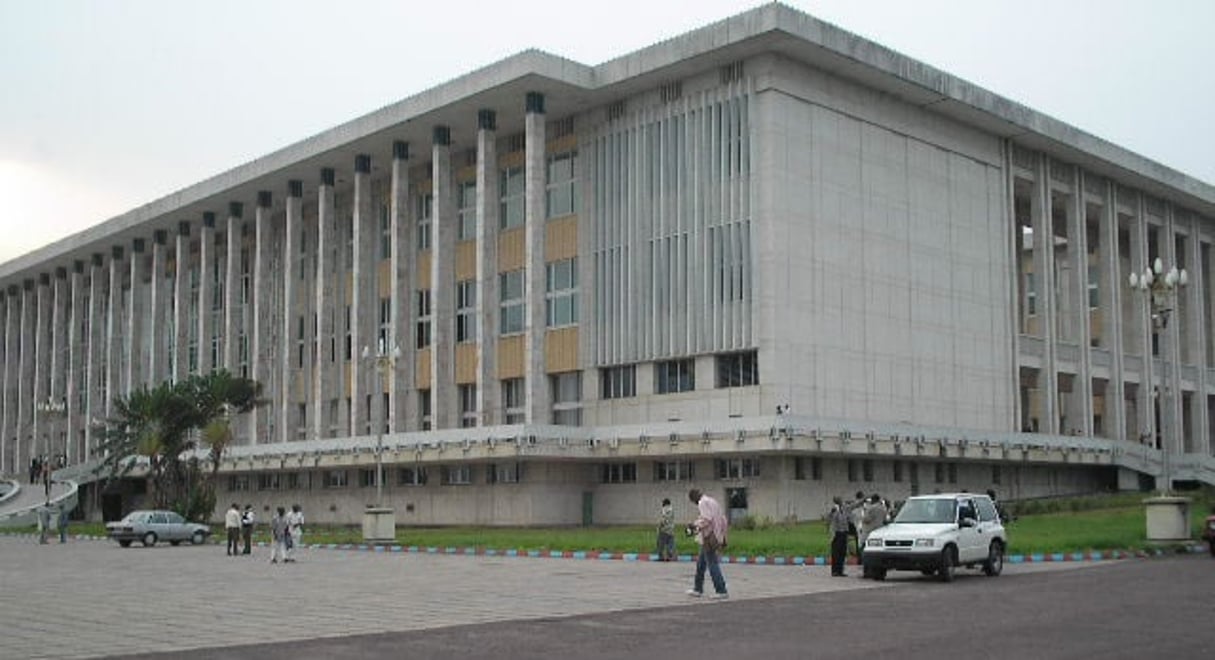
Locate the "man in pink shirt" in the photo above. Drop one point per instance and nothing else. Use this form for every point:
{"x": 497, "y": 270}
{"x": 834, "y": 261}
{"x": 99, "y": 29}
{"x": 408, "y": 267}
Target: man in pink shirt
{"x": 711, "y": 527}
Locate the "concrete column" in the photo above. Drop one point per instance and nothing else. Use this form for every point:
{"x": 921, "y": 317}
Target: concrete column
{"x": 133, "y": 354}
{"x": 76, "y": 350}
{"x": 206, "y": 293}
{"x": 25, "y": 376}
{"x": 233, "y": 321}
{"x": 157, "y": 358}
{"x": 263, "y": 310}
{"x": 59, "y": 363}
{"x": 94, "y": 360}
{"x": 181, "y": 303}
{"x": 538, "y": 400}
{"x": 1170, "y": 350}
{"x": 1082, "y": 391}
{"x": 444, "y": 408}
{"x": 489, "y": 392}
{"x": 1147, "y": 376}
{"x": 42, "y": 361}
{"x": 1195, "y": 293}
{"x": 402, "y": 393}
{"x": 1115, "y": 395}
{"x": 295, "y": 221}
{"x": 1044, "y": 233}
{"x": 324, "y": 381}
{"x": 364, "y": 302}
{"x": 8, "y": 371}
{"x": 113, "y": 331}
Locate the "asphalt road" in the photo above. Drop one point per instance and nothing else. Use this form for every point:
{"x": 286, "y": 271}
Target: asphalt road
{"x": 1156, "y": 608}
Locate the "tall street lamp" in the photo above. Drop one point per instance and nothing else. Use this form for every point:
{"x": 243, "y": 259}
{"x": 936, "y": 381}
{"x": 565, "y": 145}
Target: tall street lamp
{"x": 379, "y": 522}
{"x": 1167, "y": 517}
{"x": 52, "y": 409}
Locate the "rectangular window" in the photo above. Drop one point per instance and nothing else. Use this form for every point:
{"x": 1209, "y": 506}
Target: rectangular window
{"x": 425, "y": 207}
{"x": 301, "y": 429}
{"x": 333, "y": 479}
{"x": 411, "y": 476}
{"x": 334, "y": 416}
{"x": 618, "y": 382}
{"x": 738, "y": 369}
{"x": 511, "y": 187}
{"x": 510, "y": 302}
{"x": 348, "y": 336}
{"x": 238, "y": 483}
{"x": 618, "y": 473}
{"x": 467, "y": 211}
{"x": 422, "y": 318}
{"x": 367, "y": 478}
{"x": 867, "y": 469}
{"x": 808, "y": 467}
{"x": 561, "y": 292}
{"x": 1031, "y": 296}
{"x": 566, "y": 394}
{"x": 897, "y": 470}
{"x": 996, "y": 475}
{"x": 292, "y": 481}
{"x": 1094, "y": 294}
{"x": 385, "y": 233}
{"x": 737, "y": 468}
{"x": 468, "y": 406}
{"x": 381, "y": 337}
{"x": 674, "y": 471}
{"x": 953, "y": 473}
{"x": 455, "y": 475}
{"x": 674, "y": 376}
{"x": 853, "y": 469}
{"x": 424, "y": 410}
{"x": 503, "y": 473}
{"x": 561, "y": 190}
{"x": 939, "y": 469}
{"x": 513, "y": 398}
{"x": 466, "y": 311}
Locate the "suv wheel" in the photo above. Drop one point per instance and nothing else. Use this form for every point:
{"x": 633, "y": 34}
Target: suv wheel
{"x": 949, "y": 563}
{"x": 149, "y": 540}
{"x": 995, "y": 560}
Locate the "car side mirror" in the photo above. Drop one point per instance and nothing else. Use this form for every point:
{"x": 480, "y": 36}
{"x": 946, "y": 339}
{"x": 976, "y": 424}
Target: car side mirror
{"x": 967, "y": 522}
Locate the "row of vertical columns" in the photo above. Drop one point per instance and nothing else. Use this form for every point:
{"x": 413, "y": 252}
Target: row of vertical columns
{"x": 1044, "y": 254}
{"x": 1195, "y": 294}
{"x": 1082, "y": 386}
{"x": 76, "y": 344}
{"x": 259, "y": 357}
{"x": 94, "y": 360}
{"x": 364, "y": 297}
{"x": 134, "y": 320}
{"x": 206, "y": 259}
{"x": 1115, "y": 398}
{"x": 181, "y": 303}
{"x": 324, "y": 379}
{"x": 8, "y": 399}
{"x": 230, "y": 348}
{"x": 42, "y": 354}
{"x": 1139, "y": 259}
{"x": 157, "y": 358}
{"x": 294, "y": 223}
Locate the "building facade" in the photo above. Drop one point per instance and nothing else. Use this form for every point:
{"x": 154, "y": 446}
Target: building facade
{"x": 767, "y": 258}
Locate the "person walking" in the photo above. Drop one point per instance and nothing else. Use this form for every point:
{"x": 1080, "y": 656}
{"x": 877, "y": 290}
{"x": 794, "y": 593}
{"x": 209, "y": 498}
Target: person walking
{"x": 666, "y": 531}
{"x": 711, "y": 528}
{"x": 232, "y": 526}
{"x": 246, "y": 528}
{"x": 46, "y": 476}
{"x": 63, "y": 522}
{"x": 295, "y": 527}
{"x": 44, "y": 523}
{"x": 35, "y": 470}
{"x": 838, "y": 522}
{"x": 278, "y": 536}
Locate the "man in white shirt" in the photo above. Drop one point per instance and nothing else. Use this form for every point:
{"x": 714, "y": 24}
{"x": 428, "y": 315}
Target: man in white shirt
{"x": 711, "y": 527}
{"x": 295, "y": 528}
{"x": 232, "y": 526}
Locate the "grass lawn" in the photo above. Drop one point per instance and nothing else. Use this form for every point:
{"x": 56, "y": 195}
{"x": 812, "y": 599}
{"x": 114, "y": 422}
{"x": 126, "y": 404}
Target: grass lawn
{"x": 1105, "y": 523}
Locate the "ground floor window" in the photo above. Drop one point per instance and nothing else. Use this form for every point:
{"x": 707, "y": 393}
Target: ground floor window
{"x": 334, "y": 478}
{"x": 411, "y": 476}
{"x": 618, "y": 473}
{"x": 455, "y": 475}
{"x": 504, "y": 473}
{"x": 737, "y": 468}
{"x": 674, "y": 471}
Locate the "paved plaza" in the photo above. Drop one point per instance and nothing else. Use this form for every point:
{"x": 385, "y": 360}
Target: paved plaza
{"x": 91, "y": 598}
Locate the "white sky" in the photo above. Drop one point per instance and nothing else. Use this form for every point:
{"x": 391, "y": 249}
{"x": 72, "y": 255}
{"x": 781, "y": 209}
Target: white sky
{"x": 105, "y": 106}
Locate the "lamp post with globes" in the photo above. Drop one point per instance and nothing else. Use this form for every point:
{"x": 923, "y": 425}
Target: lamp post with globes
{"x": 379, "y": 522}
{"x": 1167, "y": 517}
{"x": 52, "y": 409}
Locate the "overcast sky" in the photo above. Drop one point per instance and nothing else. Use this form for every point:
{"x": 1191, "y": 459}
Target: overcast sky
{"x": 106, "y": 106}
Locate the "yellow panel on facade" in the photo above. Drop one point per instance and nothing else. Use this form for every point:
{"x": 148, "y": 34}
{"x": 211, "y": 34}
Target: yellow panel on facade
{"x": 512, "y": 159}
{"x": 466, "y": 173}
{"x": 347, "y": 380}
{"x": 561, "y": 239}
{"x": 300, "y": 392}
{"x": 562, "y": 144}
{"x": 466, "y": 260}
{"x": 348, "y": 278}
{"x": 424, "y": 187}
{"x": 466, "y": 364}
{"x": 510, "y": 357}
{"x": 423, "y": 273}
{"x": 511, "y": 252}
{"x": 421, "y": 374}
{"x": 561, "y": 350}
{"x": 383, "y": 274}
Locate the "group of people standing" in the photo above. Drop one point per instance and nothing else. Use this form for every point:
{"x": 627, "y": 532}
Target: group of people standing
{"x": 857, "y": 518}
{"x": 286, "y": 531}
{"x": 41, "y": 468}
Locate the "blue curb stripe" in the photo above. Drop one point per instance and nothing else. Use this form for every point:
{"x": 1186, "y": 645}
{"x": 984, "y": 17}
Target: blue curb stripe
{"x": 1016, "y": 559}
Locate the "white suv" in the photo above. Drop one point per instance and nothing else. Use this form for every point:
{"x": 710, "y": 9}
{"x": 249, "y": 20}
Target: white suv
{"x": 936, "y": 534}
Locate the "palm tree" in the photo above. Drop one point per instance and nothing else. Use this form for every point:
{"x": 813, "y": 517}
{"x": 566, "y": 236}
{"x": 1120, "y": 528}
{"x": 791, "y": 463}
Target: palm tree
{"x": 168, "y": 421}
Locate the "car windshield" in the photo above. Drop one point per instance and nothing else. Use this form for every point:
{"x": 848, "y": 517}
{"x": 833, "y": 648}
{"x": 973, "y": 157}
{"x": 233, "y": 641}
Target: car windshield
{"x": 135, "y": 516}
{"x": 926, "y": 511}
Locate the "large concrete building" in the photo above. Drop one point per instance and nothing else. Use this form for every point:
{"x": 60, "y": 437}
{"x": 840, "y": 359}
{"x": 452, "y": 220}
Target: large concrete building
{"x": 767, "y": 258}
